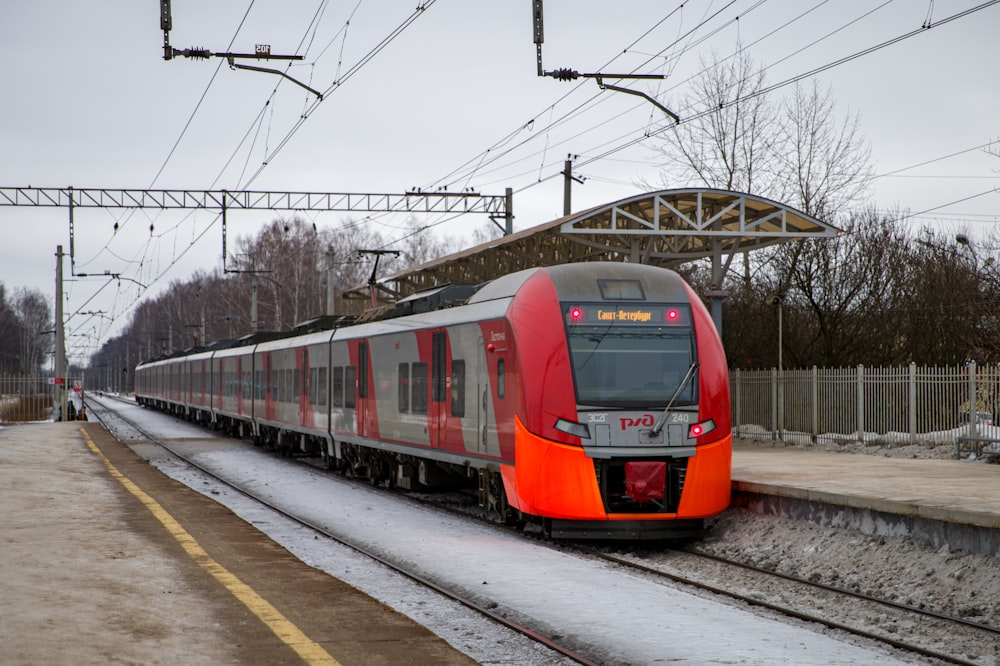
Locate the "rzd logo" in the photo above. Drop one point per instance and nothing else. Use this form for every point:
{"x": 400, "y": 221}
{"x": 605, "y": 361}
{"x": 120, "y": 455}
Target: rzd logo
{"x": 646, "y": 420}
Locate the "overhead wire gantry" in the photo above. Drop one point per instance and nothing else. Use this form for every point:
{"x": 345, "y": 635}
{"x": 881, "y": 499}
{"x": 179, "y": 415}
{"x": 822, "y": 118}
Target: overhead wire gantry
{"x": 495, "y": 206}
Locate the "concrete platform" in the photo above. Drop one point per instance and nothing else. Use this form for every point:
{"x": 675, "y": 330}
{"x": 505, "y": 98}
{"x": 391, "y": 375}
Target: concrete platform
{"x": 94, "y": 574}
{"x": 937, "y": 501}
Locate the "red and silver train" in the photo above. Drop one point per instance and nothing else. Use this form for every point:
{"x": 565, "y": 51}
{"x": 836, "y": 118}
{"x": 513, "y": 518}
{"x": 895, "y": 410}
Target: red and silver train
{"x": 590, "y": 397}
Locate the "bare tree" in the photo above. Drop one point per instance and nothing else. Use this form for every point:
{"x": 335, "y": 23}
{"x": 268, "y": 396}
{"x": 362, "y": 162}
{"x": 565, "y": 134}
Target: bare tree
{"x": 824, "y": 163}
{"x": 34, "y": 318}
{"x": 729, "y": 140}
{"x": 845, "y": 292}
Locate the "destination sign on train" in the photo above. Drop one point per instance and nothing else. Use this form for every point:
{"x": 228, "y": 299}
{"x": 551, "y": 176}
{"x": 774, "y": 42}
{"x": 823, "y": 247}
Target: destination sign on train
{"x": 627, "y": 314}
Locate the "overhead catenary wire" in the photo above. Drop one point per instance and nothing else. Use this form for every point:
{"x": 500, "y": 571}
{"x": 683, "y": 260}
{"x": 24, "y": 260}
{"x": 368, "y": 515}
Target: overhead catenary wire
{"x": 788, "y": 81}
{"x": 339, "y": 82}
{"x": 484, "y": 160}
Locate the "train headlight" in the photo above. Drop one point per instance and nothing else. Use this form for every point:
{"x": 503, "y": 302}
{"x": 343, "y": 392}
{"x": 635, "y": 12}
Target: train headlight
{"x": 571, "y": 428}
{"x": 696, "y": 430}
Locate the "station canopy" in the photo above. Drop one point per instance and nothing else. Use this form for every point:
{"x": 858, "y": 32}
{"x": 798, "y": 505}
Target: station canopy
{"x": 664, "y": 228}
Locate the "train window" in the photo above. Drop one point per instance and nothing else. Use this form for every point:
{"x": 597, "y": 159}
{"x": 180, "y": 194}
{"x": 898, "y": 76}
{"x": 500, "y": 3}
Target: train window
{"x": 313, "y": 386}
{"x": 621, "y": 290}
{"x": 419, "y": 383}
{"x": 458, "y": 388}
{"x": 404, "y": 388}
{"x": 501, "y": 380}
{"x": 296, "y": 384}
{"x": 321, "y": 398}
{"x": 338, "y": 387}
{"x": 350, "y": 386}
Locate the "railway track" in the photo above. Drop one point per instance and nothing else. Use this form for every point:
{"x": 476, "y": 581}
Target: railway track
{"x": 876, "y": 619}
{"x": 791, "y": 596}
{"x": 100, "y": 412}
{"x": 918, "y": 631}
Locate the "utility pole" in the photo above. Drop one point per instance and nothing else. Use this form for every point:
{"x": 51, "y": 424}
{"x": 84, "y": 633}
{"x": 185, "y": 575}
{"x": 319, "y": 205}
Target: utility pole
{"x": 253, "y": 301}
{"x": 331, "y": 292}
{"x": 568, "y": 179}
{"x": 60, "y": 351}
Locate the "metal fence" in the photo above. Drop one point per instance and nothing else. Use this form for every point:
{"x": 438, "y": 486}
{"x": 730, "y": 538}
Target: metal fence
{"x": 32, "y": 398}
{"x": 900, "y": 405}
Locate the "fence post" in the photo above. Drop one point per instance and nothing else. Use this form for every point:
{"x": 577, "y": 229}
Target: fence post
{"x": 737, "y": 416}
{"x": 815, "y": 404}
{"x": 912, "y": 404}
{"x": 861, "y": 403}
{"x": 781, "y": 403}
{"x": 973, "y": 408}
{"x": 774, "y": 404}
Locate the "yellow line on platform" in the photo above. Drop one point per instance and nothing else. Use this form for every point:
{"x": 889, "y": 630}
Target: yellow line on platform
{"x": 310, "y": 651}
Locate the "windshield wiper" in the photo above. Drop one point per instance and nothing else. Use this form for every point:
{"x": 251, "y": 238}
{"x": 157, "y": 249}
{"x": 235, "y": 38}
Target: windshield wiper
{"x": 658, "y": 426}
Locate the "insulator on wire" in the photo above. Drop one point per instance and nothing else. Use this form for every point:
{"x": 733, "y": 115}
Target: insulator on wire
{"x": 564, "y": 74}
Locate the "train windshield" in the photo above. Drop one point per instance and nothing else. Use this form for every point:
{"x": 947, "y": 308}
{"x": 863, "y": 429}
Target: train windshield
{"x": 631, "y": 357}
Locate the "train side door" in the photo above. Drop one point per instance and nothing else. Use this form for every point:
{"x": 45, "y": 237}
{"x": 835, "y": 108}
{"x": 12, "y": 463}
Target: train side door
{"x": 362, "y": 388}
{"x": 304, "y": 389}
{"x": 439, "y": 384}
{"x": 483, "y": 399}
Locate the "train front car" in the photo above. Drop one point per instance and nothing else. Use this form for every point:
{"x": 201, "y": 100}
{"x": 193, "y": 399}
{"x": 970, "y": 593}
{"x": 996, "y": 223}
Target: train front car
{"x": 623, "y": 428}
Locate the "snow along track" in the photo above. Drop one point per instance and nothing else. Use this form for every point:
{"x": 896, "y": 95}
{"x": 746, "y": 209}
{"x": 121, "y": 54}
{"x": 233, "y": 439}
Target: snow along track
{"x": 942, "y": 637}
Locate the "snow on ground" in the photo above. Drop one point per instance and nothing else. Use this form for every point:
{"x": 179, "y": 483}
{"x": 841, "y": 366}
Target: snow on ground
{"x": 614, "y": 616}
{"x": 898, "y": 569}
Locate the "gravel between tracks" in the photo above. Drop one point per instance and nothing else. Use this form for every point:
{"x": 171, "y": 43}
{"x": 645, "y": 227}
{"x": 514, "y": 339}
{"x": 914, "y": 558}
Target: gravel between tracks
{"x": 898, "y": 569}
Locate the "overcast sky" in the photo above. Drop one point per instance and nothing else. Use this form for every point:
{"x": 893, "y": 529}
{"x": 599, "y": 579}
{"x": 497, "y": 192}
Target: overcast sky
{"x": 453, "y": 99}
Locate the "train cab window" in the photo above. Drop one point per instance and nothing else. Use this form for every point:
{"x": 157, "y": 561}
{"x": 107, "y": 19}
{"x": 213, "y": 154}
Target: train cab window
{"x": 419, "y": 393}
{"x": 501, "y": 380}
{"x": 350, "y": 386}
{"x": 621, "y": 359}
{"x": 458, "y": 388}
{"x": 404, "y": 388}
{"x": 338, "y": 387}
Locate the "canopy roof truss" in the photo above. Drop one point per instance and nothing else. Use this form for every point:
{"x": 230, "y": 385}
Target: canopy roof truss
{"x": 666, "y": 228}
